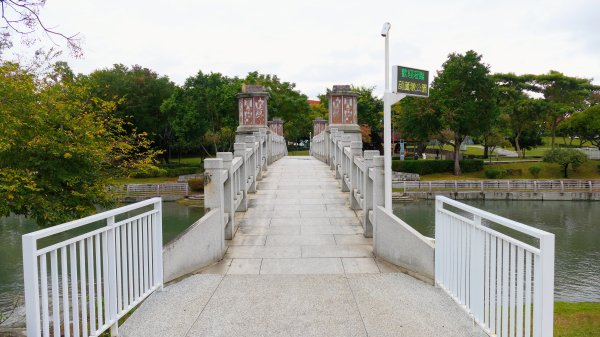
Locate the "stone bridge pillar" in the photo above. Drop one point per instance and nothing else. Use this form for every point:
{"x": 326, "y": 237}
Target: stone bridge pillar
{"x": 343, "y": 111}
{"x": 319, "y": 125}
{"x": 276, "y": 126}
{"x": 252, "y": 107}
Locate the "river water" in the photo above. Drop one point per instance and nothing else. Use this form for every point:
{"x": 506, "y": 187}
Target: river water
{"x": 575, "y": 224}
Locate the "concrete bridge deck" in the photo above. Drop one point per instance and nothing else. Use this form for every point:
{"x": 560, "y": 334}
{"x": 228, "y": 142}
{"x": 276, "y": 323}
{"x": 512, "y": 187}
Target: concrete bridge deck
{"x": 299, "y": 266}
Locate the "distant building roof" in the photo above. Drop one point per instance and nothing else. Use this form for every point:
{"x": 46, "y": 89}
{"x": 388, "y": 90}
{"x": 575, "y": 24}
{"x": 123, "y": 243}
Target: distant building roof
{"x": 313, "y": 102}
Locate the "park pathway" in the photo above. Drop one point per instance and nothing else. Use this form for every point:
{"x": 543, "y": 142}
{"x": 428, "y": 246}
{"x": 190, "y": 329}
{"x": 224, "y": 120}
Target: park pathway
{"x": 299, "y": 266}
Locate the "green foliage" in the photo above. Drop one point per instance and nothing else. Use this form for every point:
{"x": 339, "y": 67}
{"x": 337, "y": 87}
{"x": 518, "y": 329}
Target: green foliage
{"x": 139, "y": 93}
{"x": 495, "y": 173}
{"x": 196, "y": 184}
{"x": 435, "y": 166}
{"x": 183, "y": 170}
{"x": 535, "y": 171}
{"x": 59, "y": 145}
{"x": 416, "y": 119}
{"x": 149, "y": 171}
{"x": 584, "y": 124}
{"x": 464, "y": 95}
{"x": 564, "y": 95}
{"x": 565, "y": 157}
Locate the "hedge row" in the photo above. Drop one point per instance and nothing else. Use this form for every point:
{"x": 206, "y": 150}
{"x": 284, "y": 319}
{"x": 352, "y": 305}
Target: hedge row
{"x": 154, "y": 171}
{"x": 435, "y": 166}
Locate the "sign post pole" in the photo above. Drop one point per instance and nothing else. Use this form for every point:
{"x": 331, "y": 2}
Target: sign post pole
{"x": 406, "y": 82}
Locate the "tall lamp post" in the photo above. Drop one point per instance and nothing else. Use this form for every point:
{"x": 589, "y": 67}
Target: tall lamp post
{"x": 387, "y": 122}
{"x": 389, "y": 98}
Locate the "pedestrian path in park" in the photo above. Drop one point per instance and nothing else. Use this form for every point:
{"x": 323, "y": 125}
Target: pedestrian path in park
{"x": 299, "y": 265}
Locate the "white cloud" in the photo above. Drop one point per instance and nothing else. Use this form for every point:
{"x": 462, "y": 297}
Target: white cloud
{"x": 320, "y": 43}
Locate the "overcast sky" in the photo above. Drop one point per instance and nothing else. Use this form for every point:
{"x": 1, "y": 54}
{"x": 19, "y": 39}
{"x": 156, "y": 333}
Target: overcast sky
{"x": 320, "y": 43}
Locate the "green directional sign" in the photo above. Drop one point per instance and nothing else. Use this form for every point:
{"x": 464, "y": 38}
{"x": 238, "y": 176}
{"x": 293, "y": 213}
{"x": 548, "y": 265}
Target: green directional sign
{"x": 410, "y": 81}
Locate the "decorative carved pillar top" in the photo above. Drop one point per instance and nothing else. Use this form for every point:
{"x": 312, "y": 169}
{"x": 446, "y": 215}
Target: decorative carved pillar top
{"x": 343, "y": 108}
{"x": 319, "y": 125}
{"x": 252, "y": 104}
{"x": 276, "y": 126}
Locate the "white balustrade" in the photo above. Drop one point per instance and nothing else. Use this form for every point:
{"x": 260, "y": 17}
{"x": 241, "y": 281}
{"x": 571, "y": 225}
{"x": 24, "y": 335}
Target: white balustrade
{"x": 505, "y": 283}
{"x": 82, "y": 286}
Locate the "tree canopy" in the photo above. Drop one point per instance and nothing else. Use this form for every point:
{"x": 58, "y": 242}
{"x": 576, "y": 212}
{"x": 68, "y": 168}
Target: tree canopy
{"x": 59, "y": 145}
{"x": 464, "y": 95}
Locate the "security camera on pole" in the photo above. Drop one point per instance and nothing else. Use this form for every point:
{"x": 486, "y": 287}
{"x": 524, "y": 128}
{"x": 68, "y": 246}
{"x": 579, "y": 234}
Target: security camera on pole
{"x": 406, "y": 82}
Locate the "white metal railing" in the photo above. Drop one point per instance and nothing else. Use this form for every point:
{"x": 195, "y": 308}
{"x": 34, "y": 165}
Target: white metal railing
{"x": 83, "y": 285}
{"x": 499, "y": 185}
{"x": 505, "y": 283}
{"x": 150, "y": 190}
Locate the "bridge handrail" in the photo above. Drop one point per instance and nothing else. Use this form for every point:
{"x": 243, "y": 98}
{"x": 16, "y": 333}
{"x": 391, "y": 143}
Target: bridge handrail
{"x": 505, "y": 283}
{"x": 95, "y": 277}
{"x": 476, "y": 265}
{"x": 242, "y": 169}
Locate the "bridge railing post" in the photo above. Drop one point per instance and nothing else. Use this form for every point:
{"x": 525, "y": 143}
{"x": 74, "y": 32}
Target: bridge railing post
{"x": 214, "y": 191}
{"x": 252, "y": 163}
{"x": 264, "y": 149}
{"x": 378, "y": 188}
{"x": 240, "y": 151}
{"x": 355, "y": 151}
{"x": 344, "y": 166}
{"x": 258, "y": 154}
{"x": 228, "y": 194}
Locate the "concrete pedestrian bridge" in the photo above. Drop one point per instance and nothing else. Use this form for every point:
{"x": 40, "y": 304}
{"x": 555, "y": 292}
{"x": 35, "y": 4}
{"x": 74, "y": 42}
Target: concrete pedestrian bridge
{"x": 292, "y": 246}
{"x": 299, "y": 265}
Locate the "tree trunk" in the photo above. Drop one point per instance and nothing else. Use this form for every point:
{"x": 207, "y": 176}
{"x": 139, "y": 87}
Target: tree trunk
{"x": 554, "y": 124}
{"x": 518, "y": 146}
{"x": 457, "y": 142}
{"x": 486, "y": 152}
{"x": 565, "y": 173}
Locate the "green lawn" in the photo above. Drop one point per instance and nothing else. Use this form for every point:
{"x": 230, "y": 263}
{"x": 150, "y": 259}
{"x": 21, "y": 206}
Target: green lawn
{"x": 588, "y": 170}
{"x": 576, "y": 319}
{"x": 155, "y": 180}
{"x": 298, "y": 153}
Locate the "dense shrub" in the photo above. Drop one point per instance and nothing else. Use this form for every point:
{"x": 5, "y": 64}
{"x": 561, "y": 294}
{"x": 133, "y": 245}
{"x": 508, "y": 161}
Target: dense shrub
{"x": 495, "y": 173}
{"x": 435, "y": 166}
{"x": 535, "y": 171}
{"x": 196, "y": 184}
{"x": 514, "y": 172}
{"x": 179, "y": 171}
{"x": 149, "y": 171}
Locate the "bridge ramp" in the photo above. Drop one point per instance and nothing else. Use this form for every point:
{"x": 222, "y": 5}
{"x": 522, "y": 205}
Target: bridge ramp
{"x": 299, "y": 266}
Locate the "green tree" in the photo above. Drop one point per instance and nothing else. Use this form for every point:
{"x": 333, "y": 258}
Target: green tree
{"x": 59, "y": 146}
{"x": 416, "y": 119}
{"x": 464, "y": 95}
{"x": 565, "y": 157}
{"x": 585, "y": 125}
{"x": 370, "y": 114}
{"x": 206, "y": 103}
{"x": 564, "y": 95}
{"x": 139, "y": 92}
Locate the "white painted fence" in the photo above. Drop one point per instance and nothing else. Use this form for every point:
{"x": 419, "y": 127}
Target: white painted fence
{"x": 82, "y": 286}
{"x": 506, "y": 284}
{"x": 499, "y": 185}
{"x": 152, "y": 190}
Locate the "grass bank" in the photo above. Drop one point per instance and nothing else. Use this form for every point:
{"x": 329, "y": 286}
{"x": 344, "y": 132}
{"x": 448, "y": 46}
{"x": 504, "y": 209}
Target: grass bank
{"x": 588, "y": 170}
{"x": 576, "y": 319}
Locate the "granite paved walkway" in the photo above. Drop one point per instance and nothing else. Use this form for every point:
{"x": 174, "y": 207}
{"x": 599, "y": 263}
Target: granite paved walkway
{"x": 299, "y": 266}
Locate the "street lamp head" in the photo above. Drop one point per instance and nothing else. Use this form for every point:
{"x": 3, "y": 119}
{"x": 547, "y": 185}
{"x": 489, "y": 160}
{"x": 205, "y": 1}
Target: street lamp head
{"x": 386, "y": 29}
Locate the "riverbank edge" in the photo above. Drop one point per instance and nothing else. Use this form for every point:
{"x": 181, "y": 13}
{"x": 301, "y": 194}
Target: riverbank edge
{"x": 496, "y": 195}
